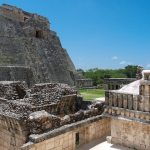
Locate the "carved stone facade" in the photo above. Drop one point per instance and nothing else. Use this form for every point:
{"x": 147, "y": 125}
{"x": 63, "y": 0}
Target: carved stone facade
{"x": 130, "y": 114}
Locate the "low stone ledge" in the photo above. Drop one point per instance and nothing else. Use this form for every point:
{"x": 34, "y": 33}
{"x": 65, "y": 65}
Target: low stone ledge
{"x": 127, "y": 119}
{"x": 27, "y": 146}
{"x": 35, "y": 138}
{"x": 116, "y": 111}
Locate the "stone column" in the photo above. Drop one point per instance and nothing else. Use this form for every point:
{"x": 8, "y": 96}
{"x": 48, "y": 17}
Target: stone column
{"x": 107, "y": 97}
{"x": 120, "y": 100}
{"x": 130, "y": 102}
{"x": 115, "y": 100}
{"x": 110, "y": 98}
{"x": 125, "y": 101}
{"x": 135, "y": 102}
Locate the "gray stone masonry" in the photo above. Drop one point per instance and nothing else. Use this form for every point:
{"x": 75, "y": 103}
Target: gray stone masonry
{"x": 28, "y": 45}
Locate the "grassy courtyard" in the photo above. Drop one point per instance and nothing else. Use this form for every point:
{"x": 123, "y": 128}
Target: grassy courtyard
{"x": 91, "y": 94}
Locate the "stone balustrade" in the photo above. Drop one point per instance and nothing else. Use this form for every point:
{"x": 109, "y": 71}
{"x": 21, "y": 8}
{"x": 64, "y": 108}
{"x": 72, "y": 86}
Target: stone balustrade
{"x": 126, "y": 101}
{"x": 127, "y": 105}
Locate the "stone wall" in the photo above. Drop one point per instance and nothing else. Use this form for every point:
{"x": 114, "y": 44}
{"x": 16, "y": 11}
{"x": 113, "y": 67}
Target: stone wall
{"x": 71, "y": 137}
{"x": 18, "y": 14}
{"x": 129, "y": 109}
{"x": 83, "y": 83}
{"x": 127, "y": 105}
{"x": 12, "y": 133}
{"x": 32, "y": 44}
{"x": 117, "y": 83}
{"x": 130, "y": 133}
{"x": 16, "y": 73}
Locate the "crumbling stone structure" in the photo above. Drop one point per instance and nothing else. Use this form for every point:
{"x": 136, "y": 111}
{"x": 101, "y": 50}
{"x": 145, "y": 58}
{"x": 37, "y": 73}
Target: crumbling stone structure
{"x": 33, "y": 110}
{"x": 84, "y": 83}
{"x": 129, "y": 109}
{"x": 27, "y": 44}
{"x": 43, "y": 109}
{"x": 52, "y": 116}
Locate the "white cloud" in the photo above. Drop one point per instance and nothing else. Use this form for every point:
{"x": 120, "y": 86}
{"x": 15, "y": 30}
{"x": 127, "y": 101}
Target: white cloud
{"x": 123, "y": 63}
{"x": 114, "y": 58}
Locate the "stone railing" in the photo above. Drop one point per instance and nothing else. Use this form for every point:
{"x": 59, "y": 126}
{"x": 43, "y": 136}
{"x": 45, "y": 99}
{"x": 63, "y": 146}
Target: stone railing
{"x": 126, "y": 101}
{"x": 126, "y": 105}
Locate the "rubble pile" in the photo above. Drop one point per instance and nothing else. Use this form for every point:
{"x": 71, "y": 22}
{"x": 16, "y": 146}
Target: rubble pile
{"x": 45, "y": 106}
{"x": 41, "y": 121}
{"x": 48, "y": 93}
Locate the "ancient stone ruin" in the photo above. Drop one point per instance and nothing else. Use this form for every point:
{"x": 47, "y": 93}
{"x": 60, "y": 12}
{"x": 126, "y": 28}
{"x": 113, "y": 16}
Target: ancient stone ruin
{"x": 34, "y": 97}
{"x": 129, "y": 109}
{"x": 42, "y": 108}
{"x": 30, "y": 51}
{"x": 51, "y": 115}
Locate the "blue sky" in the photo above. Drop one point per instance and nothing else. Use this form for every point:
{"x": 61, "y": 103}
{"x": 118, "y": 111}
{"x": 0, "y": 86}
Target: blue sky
{"x": 98, "y": 33}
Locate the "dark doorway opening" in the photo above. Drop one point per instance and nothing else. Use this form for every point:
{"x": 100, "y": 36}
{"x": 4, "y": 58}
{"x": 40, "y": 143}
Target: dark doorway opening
{"x": 117, "y": 87}
{"x": 38, "y": 34}
{"x": 77, "y": 139}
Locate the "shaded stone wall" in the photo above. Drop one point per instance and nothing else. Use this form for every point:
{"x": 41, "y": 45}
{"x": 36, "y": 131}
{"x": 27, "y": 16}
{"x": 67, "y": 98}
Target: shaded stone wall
{"x": 12, "y": 133}
{"x": 16, "y": 73}
{"x": 68, "y": 140}
{"x": 130, "y": 134}
{"x": 67, "y": 105}
{"x": 84, "y": 83}
{"x": 117, "y": 83}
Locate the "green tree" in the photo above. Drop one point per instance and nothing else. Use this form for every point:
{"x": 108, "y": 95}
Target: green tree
{"x": 98, "y": 75}
{"x": 131, "y": 71}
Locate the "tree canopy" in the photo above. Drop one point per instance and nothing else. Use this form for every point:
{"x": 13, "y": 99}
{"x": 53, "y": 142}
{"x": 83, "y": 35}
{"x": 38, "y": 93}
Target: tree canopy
{"x": 98, "y": 75}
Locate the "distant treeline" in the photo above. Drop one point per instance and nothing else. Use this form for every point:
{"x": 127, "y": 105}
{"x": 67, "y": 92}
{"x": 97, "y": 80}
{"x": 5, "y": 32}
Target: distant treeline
{"x": 99, "y": 74}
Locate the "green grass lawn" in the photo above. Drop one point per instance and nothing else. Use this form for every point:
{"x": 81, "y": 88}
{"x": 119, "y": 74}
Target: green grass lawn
{"x": 91, "y": 94}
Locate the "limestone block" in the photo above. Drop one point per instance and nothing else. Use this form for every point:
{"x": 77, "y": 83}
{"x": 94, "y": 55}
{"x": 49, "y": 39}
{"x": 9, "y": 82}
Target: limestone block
{"x": 113, "y": 112}
{"x": 125, "y": 101}
{"x": 127, "y": 113}
{"x": 146, "y": 90}
{"x": 132, "y": 114}
{"x": 142, "y": 116}
{"x": 122, "y": 113}
{"x": 110, "y": 111}
{"x": 120, "y": 100}
{"x": 110, "y": 99}
{"x": 115, "y": 100}
{"x": 146, "y": 103}
{"x": 135, "y": 102}
{"x": 41, "y": 146}
{"x": 118, "y": 112}
{"x": 49, "y": 144}
{"x": 141, "y": 104}
{"x": 116, "y": 141}
{"x": 137, "y": 115}
{"x": 130, "y": 102}
{"x": 147, "y": 117}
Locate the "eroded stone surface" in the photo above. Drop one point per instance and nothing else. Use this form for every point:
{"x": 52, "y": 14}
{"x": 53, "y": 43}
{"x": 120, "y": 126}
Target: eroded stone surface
{"x": 30, "y": 51}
